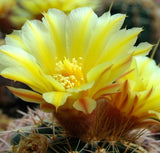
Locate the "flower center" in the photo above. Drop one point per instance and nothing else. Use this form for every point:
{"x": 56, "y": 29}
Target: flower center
{"x": 69, "y": 73}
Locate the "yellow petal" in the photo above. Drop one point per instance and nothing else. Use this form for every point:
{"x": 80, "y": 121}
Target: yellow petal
{"x": 106, "y": 26}
{"x": 86, "y": 105}
{"x": 80, "y": 25}
{"x": 124, "y": 40}
{"x": 69, "y": 5}
{"x": 57, "y": 86}
{"x": 142, "y": 49}
{"x": 131, "y": 73}
{"x": 19, "y": 16}
{"x": 55, "y": 21}
{"x": 14, "y": 55}
{"x": 154, "y": 80}
{"x": 31, "y": 6}
{"x": 39, "y": 43}
{"x": 146, "y": 66}
{"x": 16, "y": 40}
{"x": 83, "y": 87}
{"x": 113, "y": 73}
{"x": 21, "y": 75}
{"x": 27, "y": 95}
{"x": 25, "y": 66}
{"x": 56, "y": 98}
{"x": 109, "y": 89}
{"x": 95, "y": 73}
{"x": 120, "y": 66}
{"x": 155, "y": 114}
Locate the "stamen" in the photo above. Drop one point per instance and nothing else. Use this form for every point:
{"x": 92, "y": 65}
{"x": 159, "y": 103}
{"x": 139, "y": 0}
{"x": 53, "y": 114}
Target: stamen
{"x": 69, "y": 73}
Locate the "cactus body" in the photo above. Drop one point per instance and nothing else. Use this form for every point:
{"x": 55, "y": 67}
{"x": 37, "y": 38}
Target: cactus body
{"x": 57, "y": 142}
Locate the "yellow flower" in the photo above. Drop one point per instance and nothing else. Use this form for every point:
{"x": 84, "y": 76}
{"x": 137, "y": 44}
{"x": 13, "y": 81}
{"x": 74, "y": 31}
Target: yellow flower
{"x": 70, "y": 62}
{"x": 136, "y": 105}
{"x": 33, "y": 9}
{"x": 142, "y": 87}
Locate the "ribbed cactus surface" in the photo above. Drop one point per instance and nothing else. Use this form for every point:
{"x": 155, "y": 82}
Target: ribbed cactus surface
{"x": 45, "y": 139}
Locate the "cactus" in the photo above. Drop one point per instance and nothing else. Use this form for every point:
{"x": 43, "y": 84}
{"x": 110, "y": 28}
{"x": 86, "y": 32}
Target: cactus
{"x": 140, "y": 14}
{"x": 38, "y": 134}
{"x": 103, "y": 125}
{"x": 4, "y": 121}
{"x": 59, "y": 143}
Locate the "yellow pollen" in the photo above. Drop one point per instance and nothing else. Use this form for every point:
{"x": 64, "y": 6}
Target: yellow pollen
{"x": 69, "y": 73}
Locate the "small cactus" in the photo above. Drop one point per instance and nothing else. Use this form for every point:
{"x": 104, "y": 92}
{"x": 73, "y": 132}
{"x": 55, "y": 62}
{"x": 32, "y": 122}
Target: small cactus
{"x": 43, "y": 136}
{"x": 43, "y": 141}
